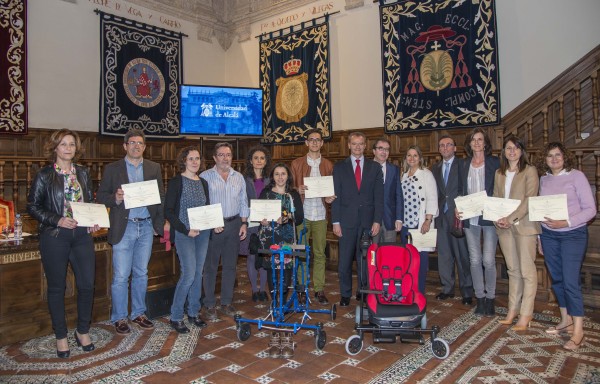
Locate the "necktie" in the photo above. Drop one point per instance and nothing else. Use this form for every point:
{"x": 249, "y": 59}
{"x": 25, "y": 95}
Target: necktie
{"x": 357, "y": 174}
{"x": 446, "y": 172}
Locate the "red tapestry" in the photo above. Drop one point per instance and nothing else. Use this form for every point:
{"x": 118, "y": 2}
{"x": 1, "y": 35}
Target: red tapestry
{"x": 13, "y": 67}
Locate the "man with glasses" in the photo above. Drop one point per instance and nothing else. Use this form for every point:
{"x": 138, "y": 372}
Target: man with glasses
{"x": 131, "y": 231}
{"x": 450, "y": 249}
{"x": 315, "y": 221}
{"x": 227, "y": 187}
{"x": 356, "y": 211}
{"x": 393, "y": 199}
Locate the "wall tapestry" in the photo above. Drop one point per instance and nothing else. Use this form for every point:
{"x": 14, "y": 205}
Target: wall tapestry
{"x": 440, "y": 64}
{"x": 294, "y": 76}
{"x": 13, "y": 67}
{"x": 141, "y": 69}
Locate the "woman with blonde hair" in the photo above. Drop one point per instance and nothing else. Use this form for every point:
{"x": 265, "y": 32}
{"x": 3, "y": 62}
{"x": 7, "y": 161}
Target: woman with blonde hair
{"x": 420, "y": 203}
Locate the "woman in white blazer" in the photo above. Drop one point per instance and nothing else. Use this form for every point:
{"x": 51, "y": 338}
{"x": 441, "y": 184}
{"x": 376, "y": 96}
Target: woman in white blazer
{"x": 420, "y": 202}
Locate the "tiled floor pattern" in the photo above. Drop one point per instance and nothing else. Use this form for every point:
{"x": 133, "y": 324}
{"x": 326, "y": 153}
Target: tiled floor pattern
{"x": 481, "y": 351}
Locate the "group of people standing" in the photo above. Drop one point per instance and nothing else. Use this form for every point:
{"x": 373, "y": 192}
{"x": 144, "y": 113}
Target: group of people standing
{"x": 562, "y": 242}
{"x": 373, "y": 198}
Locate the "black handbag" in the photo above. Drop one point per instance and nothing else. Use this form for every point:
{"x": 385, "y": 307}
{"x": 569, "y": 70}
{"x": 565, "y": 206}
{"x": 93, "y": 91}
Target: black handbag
{"x": 457, "y": 229}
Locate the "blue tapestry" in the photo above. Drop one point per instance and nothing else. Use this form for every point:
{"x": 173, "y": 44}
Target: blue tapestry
{"x": 440, "y": 64}
{"x": 140, "y": 72}
{"x": 294, "y": 76}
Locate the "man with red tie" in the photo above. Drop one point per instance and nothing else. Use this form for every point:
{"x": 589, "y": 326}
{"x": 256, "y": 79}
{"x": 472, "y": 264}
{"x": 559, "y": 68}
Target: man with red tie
{"x": 357, "y": 209}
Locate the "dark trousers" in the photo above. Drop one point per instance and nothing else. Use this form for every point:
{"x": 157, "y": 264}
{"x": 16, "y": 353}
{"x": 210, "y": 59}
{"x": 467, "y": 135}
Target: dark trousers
{"x": 564, "y": 253}
{"x": 453, "y": 250}
{"x": 349, "y": 250}
{"x": 58, "y": 248}
{"x": 222, "y": 247}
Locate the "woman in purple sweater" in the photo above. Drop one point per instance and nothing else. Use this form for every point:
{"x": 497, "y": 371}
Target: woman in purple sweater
{"x": 564, "y": 242}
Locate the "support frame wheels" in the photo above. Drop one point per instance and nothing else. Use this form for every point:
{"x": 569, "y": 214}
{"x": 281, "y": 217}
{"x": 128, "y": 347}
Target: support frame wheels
{"x": 440, "y": 348}
{"x": 333, "y": 312}
{"x": 354, "y": 345}
{"x": 243, "y": 331}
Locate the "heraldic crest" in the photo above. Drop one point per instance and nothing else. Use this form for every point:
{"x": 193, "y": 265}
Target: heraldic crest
{"x": 141, "y": 69}
{"x": 440, "y": 64}
{"x": 294, "y": 76}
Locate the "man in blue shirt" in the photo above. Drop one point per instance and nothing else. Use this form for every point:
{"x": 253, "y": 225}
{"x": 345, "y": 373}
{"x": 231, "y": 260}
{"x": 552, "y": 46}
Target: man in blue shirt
{"x": 227, "y": 187}
{"x": 131, "y": 231}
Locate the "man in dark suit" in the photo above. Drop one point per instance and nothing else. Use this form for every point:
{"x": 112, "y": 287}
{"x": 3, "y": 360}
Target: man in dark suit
{"x": 357, "y": 209}
{"x": 131, "y": 231}
{"x": 393, "y": 200}
{"x": 450, "y": 249}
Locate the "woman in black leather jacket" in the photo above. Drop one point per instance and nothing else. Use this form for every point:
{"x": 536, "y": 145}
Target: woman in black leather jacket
{"x": 61, "y": 240}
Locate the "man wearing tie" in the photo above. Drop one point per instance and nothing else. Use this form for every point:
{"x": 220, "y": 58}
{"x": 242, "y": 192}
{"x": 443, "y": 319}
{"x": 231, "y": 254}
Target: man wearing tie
{"x": 358, "y": 208}
{"x": 450, "y": 249}
{"x": 393, "y": 200}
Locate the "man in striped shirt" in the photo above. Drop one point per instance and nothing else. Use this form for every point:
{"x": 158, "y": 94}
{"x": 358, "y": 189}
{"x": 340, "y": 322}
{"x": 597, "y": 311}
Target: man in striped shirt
{"x": 225, "y": 186}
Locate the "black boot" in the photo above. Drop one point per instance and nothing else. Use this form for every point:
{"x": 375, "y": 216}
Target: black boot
{"x": 480, "y": 309}
{"x": 490, "y": 309}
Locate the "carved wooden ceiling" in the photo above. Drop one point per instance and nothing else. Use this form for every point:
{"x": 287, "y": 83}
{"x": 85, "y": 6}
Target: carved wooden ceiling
{"x": 227, "y": 19}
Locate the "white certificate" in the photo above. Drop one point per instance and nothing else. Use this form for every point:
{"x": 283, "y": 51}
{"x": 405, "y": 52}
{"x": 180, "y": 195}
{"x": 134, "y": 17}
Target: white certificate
{"x": 470, "y": 205}
{"x": 319, "y": 186}
{"x": 140, "y": 194}
{"x": 206, "y": 217}
{"x": 88, "y": 215}
{"x": 265, "y": 209}
{"x": 496, "y": 208}
{"x": 551, "y": 206}
{"x": 421, "y": 241}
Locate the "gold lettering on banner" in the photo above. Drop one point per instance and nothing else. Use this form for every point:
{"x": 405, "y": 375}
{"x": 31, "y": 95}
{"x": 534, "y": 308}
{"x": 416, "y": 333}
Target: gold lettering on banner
{"x": 297, "y": 17}
{"x": 136, "y": 13}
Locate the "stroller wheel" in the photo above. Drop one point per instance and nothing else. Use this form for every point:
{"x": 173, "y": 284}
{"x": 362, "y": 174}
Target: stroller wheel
{"x": 354, "y": 345}
{"x": 321, "y": 339}
{"x": 333, "y": 312}
{"x": 243, "y": 332}
{"x": 424, "y": 321}
{"x": 440, "y": 348}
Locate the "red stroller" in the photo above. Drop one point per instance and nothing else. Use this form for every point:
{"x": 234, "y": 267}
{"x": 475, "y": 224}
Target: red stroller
{"x": 392, "y": 304}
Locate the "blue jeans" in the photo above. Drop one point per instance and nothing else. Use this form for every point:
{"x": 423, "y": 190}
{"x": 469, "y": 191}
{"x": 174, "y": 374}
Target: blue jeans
{"x": 192, "y": 253}
{"x": 483, "y": 263}
{"x": 564, "y": 253}
{"x": 130, "y": 257}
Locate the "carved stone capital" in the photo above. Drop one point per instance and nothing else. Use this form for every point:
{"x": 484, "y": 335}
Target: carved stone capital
{"x": 242, "y": 30}
{"x": 224, "y": 38}
{"x": 204, "y": 32}
{"x": 351, "y": 4}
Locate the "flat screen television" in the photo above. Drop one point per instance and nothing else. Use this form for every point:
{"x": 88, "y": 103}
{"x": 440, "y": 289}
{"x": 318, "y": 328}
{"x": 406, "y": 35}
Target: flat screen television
{"x": 223, "y": 111}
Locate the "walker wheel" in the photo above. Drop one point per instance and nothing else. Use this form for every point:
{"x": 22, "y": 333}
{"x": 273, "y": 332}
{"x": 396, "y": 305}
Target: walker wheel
{"x": 333, "y": 311}
{"x": 243, "y": 332}
{"x": 321, "y": 339}
{"x": 354, "y": 345}
{"x": 440, "y": 348}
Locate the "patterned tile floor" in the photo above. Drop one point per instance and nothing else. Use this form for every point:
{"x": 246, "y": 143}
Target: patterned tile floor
{"x": 481, "y": 351}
